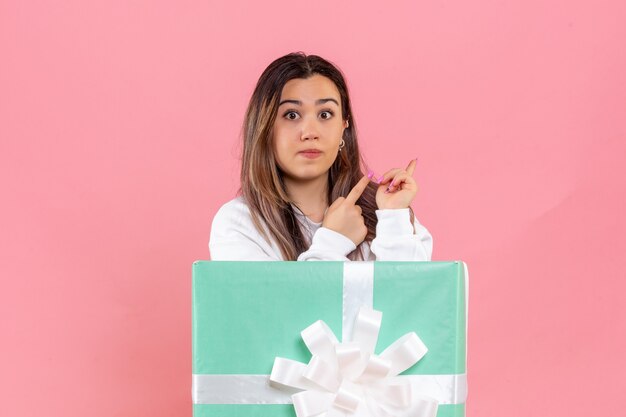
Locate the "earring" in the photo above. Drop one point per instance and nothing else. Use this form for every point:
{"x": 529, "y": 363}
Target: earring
{"x": 341, "y": 144}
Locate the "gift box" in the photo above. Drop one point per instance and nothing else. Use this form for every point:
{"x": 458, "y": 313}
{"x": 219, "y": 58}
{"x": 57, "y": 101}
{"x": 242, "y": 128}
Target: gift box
{"x": 246, "y": 314}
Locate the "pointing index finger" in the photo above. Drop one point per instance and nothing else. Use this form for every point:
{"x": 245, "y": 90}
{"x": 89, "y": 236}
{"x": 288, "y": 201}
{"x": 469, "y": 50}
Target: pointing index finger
{"x": 357, "y": 190}
{"x": 411, "y": 167}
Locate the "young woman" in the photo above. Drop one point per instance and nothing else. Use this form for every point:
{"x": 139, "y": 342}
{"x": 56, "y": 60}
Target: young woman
{"x": 303, "y": 195}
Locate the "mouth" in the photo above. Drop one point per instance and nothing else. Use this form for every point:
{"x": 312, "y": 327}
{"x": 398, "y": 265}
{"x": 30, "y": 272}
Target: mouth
{"x": 310, "y": 153}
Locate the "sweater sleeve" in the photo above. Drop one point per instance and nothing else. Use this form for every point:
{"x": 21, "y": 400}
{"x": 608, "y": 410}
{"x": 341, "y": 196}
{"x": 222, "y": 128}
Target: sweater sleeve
{"x": 328, "y": 245}
{"x": 395, "y": 240}
{"x": 234, "y": 237}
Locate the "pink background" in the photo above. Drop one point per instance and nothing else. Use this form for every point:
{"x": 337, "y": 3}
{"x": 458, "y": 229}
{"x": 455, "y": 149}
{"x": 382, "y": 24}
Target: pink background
{"x": 119, "y": 142}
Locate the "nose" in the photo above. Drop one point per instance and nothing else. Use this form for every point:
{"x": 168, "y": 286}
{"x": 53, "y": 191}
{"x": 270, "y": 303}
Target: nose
{"x": 309, "y": 130}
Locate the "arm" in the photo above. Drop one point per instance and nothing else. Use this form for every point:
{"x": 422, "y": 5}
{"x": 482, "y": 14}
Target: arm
{"x": 342, "y": 226}
{"x": 234, "y": 238}
{"x": 395, "y": 240}
{"x": 328, "y": 245}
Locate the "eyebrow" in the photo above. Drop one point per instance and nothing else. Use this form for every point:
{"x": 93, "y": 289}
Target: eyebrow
{"x": 317, "y": 102}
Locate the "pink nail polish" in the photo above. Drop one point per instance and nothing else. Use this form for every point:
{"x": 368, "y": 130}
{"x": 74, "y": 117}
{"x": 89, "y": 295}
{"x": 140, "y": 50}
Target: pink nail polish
{"x": 370, "y": 174}
{"x": 381, "y": 178}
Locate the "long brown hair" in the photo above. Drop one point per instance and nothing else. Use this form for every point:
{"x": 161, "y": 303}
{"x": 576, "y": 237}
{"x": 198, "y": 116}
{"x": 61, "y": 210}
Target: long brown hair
{"x": 262, "y": 183}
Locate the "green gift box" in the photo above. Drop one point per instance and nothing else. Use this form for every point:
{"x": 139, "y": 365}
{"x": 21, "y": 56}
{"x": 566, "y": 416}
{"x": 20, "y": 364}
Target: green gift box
{"x": 245, "y": 314}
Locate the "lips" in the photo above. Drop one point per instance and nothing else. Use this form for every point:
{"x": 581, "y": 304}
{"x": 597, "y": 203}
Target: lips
{"x": 310, "y": 153}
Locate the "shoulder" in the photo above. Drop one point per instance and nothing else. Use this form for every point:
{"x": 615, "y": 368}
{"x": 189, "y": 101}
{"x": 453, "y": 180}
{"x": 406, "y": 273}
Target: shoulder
{"x": 234, "y": 207}
{"x": 232, "y": 213}
{"x": 234, "y": 236}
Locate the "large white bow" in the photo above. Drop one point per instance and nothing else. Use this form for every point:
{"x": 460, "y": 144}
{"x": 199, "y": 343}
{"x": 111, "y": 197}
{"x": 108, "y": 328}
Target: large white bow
{"x": 349, "y": 379}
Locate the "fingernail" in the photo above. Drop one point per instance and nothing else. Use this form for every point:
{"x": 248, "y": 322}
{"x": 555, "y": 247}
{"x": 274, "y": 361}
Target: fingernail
{"x": 380, "y": 179}
{"x": 370, "y": 174}
{"x": 390, "y": 184}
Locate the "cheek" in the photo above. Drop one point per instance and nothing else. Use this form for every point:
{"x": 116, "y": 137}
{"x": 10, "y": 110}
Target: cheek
{"x": 335, "y": 130}
{"x": 280, "y": 146}
{"x": 283, "y": 139}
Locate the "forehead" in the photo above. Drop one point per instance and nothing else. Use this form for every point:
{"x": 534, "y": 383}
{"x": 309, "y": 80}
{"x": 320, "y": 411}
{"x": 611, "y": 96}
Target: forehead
{"x": 310, "y": 89}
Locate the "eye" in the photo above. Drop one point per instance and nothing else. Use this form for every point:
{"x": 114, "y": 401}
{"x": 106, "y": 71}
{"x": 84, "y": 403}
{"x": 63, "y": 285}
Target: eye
{"x": 330, "y": 114}
{"x": 290, "y": 112}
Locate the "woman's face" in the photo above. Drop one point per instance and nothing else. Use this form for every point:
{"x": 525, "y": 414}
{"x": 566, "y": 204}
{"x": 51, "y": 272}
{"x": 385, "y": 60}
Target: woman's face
{"x": 309, "y": 118}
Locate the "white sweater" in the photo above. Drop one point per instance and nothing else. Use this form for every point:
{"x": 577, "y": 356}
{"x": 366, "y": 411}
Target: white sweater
{"x": 234, "y": 238}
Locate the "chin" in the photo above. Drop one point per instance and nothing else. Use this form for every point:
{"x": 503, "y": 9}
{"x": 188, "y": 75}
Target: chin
{"x": 307, "y": 173}
{"x": 308, "y": 176}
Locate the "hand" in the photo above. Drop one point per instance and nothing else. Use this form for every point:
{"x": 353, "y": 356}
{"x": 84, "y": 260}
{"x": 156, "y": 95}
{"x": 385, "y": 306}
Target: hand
{"x": 344, "y": 216}
{"x": 402, "y": 188}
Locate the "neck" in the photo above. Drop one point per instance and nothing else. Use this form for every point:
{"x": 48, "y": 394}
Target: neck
{"x": 310, "y": 196}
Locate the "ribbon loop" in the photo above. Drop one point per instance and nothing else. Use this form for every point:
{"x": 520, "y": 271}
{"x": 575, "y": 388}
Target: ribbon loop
{"x": 320, "y": 340}
{"x": 376, "y": 368}
{"x": 348, "y": 397}
{"x": 396, "y": 393}
{"x": 404, "y": 353}
{"x": 348, "y": 380}
{"x": 311, "y": 403}
{"x": 289, "y": 373}
{"x": 322, "y": 373}
{"x": 366, "y": 328}
{"x": 349, "y": 359}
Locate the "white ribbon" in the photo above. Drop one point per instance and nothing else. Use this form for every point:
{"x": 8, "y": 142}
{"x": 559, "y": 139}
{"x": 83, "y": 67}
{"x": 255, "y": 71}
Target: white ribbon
{"x": 348, "y": 378}
{"x": 255, "y": 388}
{"x": 358, "y": 291}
